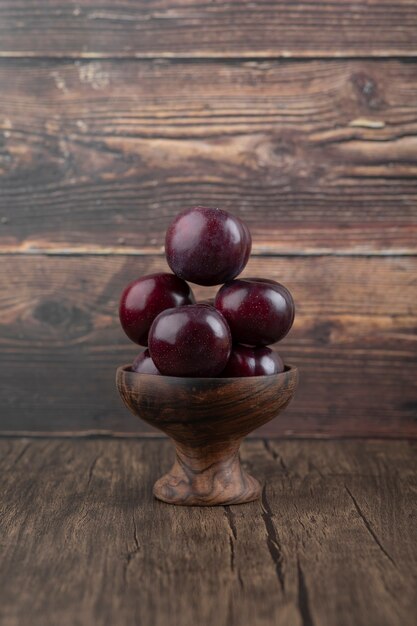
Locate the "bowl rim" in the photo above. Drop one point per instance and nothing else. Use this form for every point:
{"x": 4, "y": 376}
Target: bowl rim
{"x": 125, "y": 369}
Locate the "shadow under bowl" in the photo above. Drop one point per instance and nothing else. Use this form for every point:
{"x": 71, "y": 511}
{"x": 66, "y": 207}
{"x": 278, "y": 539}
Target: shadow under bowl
{"x": 207, "y": 419}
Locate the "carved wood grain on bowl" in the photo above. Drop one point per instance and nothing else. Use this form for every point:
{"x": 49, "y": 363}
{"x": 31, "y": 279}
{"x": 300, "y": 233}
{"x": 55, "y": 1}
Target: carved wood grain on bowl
{"x": 207, "y": 419}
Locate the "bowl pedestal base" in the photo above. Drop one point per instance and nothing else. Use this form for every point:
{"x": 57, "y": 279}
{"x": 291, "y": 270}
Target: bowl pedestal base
{"x": 207, "y": 476}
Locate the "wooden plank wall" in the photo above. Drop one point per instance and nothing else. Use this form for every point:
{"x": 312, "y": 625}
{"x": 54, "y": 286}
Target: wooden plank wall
{"x": 299, "y": 117}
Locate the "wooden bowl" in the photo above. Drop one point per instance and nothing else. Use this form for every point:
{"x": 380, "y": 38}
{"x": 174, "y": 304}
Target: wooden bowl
{"x": 207, "y": 419}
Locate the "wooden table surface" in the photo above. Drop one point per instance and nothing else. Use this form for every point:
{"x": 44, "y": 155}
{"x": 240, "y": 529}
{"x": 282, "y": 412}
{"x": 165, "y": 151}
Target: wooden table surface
{"x": 83, "y": 542}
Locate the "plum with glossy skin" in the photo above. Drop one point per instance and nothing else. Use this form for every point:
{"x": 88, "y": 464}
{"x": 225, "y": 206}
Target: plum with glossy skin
{"x": 143, "y": 364}
{"x": 145, "y": 298}
{"x": 245, "y": 361}
{"x": 192, "y": 341}
{"x": 259, "y": 311}
{"x": 207, "y": 246}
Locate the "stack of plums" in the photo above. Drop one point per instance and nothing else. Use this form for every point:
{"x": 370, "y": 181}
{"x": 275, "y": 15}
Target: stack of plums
{"x": 224, "y": 337}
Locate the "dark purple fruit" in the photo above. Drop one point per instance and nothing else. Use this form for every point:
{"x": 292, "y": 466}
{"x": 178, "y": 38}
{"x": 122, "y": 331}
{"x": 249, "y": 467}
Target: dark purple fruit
{"x": 207, "y": 246}
{"x": 145, "y": 298}
{"x": 245, "y": 361}
{"x": 259, "y": 312}
{"x": 143, "y": 364}
{"x": 190, "y": 341}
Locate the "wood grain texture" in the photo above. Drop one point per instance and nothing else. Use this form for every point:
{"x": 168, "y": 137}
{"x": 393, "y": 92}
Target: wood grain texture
{"x": 192, "y": 28}
{"x": 314, "y": 156}
{"x": 206, "y": 419}
{"x": 353, "y": 341}
{"x": 331, "y": 542}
